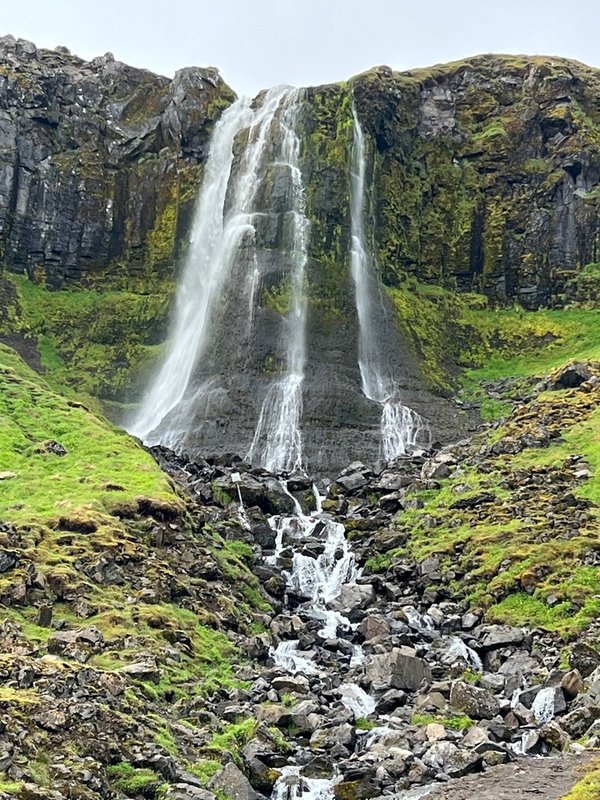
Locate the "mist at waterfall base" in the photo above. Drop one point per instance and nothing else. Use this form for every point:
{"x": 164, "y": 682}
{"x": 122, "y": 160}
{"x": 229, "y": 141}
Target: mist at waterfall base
{"x": 192, "y": 391}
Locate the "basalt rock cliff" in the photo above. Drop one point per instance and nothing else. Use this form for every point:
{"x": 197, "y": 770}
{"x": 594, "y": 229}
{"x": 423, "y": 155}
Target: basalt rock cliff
{"x": 483, "y": 177}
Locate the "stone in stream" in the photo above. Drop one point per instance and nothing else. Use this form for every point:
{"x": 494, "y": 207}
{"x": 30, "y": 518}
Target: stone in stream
{"x": 353, "y": 596}
{"x": 397, "y": 670}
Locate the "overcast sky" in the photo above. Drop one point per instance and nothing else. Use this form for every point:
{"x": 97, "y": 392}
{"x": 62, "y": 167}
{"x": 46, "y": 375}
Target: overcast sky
{"x": 259, "y": 43}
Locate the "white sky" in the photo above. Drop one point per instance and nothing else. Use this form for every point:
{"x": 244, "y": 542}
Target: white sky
{"x": 259, "y": 43}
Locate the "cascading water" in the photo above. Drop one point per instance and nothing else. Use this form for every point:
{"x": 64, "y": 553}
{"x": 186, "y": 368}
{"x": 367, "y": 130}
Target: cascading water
{"x": 402, "y": 429}
{"x": 211, "y": 246}
{"x": 225, "y": 223}
{"x": 277, "y": 443}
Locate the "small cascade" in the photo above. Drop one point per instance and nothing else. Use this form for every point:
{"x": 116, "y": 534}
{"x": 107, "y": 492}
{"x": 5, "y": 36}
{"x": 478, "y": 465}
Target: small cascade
{"x": 357, "y": 700}
{"x": 222, "y": 255}
{"x": 457, "y": 649}
{"x": 402, "y": 429}
{"x": 318, "y": 578}
{"x": 286, "y": 656}
{"x": 542, "y": 707}
{"x": 277, "y": 442}
{"x": 209, "y": 257}
{"x": 293, "y": 786}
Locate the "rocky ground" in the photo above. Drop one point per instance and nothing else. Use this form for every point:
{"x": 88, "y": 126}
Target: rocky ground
{"x": 547, "y": 779}
{"x": 275, "y": 646}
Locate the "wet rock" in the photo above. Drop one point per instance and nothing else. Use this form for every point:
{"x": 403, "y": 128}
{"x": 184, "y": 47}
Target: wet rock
{"x": 473, "y": 701}
{"x": 360, "y": 789}
{"x": 397, "y": 670}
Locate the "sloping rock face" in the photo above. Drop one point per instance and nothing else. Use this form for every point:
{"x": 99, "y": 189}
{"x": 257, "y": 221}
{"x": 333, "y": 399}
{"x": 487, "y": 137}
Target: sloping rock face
{"x": 489, "y": 173}
{"x": 99, "y": 164}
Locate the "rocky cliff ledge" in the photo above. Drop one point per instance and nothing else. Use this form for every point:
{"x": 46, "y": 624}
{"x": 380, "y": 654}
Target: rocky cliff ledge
{"x": 99, "y": 164}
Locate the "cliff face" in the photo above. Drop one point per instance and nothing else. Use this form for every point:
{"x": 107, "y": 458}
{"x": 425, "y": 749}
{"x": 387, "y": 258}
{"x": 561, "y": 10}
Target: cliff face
{"x": 99, "y": 164}
{"x": 482, "y": 176}
{"x": 488, "y": 173}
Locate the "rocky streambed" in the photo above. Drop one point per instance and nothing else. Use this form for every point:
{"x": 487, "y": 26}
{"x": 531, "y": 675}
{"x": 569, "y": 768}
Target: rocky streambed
{"x": 381, "y": 684}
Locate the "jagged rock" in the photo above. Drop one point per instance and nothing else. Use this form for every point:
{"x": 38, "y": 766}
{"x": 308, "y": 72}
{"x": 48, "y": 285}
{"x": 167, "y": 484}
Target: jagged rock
{"x": 577, "y": 721}
{"x": 234, "y": 784}
{"x": 473, "y": 701}
{"x": 584, "y": 658}
{"x": 448, "y": 758}
{"x": 142, "y": 671}
{"x": 8, "y": 560}
{"x": 326, "y": 738}
{"x": 397, "y": 670}
{"x": 572, "y": 683}
{"x": 493, "y": 636}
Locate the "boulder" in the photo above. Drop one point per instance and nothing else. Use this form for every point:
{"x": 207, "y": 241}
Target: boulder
{"x": 451, "y": 760}
{"x": 326, "y": 738}
{"x": 233, "y": 784}
{"x": 373, "y": 626}
{"x": 552, "y": 733}
{"x": 353, "y": 596}
{"x": 473, "y": 701}
{"x": 572, "y": 684}
{"x": 493, "y": 636}
{"x": 584, "y": 658}
{"x": 397, "y": 670}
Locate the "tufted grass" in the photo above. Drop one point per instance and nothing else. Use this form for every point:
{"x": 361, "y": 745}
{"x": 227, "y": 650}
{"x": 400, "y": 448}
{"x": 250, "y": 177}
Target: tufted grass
{"x": 588, "y": 788}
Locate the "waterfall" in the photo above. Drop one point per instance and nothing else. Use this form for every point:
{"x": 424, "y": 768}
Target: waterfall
{"x": 401, "y": 427}
{"x": 277, "y": 442}
{"x": 223, "y": 224}
{"x": 204, "y": 273}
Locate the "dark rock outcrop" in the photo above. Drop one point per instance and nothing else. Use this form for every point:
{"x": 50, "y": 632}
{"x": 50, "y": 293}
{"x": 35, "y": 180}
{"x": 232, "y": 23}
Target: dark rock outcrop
{"x": 99, "y": 164}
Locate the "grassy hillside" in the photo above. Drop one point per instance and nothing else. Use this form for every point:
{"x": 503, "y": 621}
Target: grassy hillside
{"x": 119, "y": 589}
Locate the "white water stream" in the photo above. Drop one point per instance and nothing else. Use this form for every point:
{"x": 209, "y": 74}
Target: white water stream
{"x": 277, "y": 442}
{"x": 293, "y": 786}
{"x": 223, "y": 223}
{"x": 401, "y": 427}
